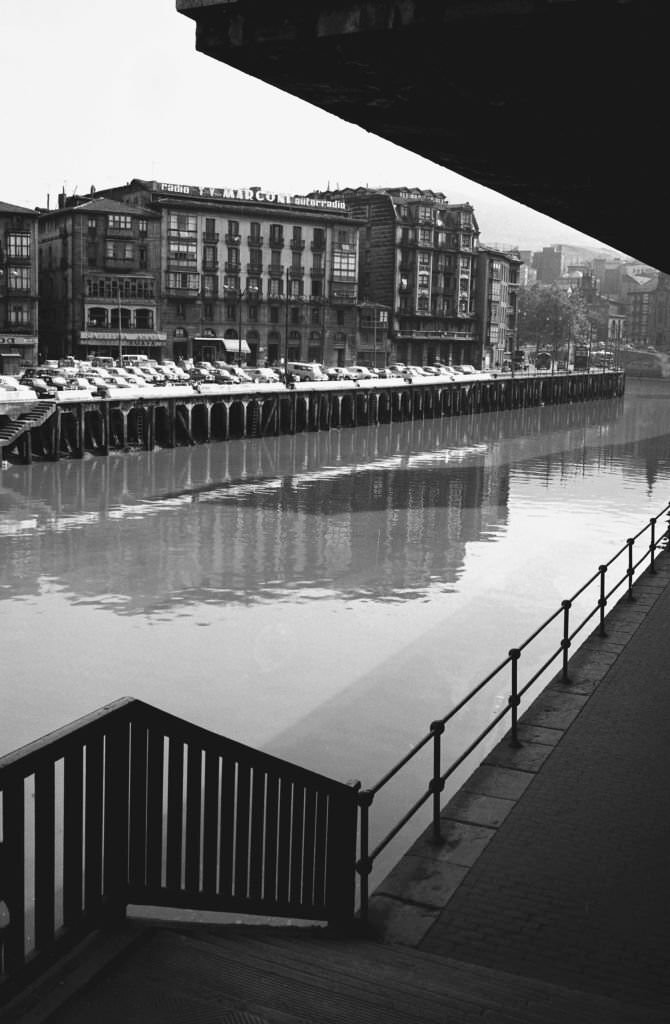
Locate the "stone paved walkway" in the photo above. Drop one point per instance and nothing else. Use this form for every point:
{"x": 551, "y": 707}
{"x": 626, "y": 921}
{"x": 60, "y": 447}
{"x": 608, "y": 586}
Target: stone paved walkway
{"x": 556, "y": 864}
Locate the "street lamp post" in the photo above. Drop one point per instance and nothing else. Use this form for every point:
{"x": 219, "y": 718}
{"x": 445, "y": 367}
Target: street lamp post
{"x": 286, "y": 380}
{"x": 118, "y": 306}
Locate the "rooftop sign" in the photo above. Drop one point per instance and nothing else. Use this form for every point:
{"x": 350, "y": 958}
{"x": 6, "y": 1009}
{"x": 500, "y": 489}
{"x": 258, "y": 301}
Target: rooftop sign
{"x": 254, "y": 195}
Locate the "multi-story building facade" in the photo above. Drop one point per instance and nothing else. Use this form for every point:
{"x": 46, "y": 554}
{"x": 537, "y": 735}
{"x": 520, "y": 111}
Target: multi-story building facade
{"x": 99, "y": 279}
{"x": 659, "y": 314}
{"x": 418, "y": 264}
{"x": 251, "y": 274}
{"x": 496, "y": 289}
{"x": 18, "y": 287}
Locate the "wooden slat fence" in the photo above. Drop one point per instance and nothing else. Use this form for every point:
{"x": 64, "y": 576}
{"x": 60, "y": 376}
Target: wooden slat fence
{"x": 133, "y": 805}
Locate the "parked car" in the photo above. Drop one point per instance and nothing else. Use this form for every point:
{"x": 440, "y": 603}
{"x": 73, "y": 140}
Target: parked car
{"x": 337, "y": 373}
{"x": 306, "y": 371}
{"x": 359, "y": 373}
{"x": 263, "y": 375}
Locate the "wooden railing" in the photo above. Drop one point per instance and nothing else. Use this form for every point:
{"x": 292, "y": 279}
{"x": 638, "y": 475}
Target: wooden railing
{"x": 133, "y": 805}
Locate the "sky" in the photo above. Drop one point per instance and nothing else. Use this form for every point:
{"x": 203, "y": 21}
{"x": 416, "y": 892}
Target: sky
{"x": 112, "y": 90}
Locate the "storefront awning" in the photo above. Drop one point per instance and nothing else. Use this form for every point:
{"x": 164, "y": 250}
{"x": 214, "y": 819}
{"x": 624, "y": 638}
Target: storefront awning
{"x": 233, "y": 345}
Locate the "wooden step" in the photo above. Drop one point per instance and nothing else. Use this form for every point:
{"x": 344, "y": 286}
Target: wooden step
{"x": 198, "y": 975}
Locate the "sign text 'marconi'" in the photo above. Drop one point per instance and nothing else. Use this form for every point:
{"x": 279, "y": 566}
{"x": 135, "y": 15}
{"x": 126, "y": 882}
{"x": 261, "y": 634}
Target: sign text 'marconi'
{"x": 256, "y": 195}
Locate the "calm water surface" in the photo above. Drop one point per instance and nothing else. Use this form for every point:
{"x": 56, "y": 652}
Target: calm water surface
{"x": 323, "y": 596}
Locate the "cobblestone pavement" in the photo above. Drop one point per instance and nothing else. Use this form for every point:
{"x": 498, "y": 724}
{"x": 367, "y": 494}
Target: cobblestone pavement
{"x": 556, "y": 860}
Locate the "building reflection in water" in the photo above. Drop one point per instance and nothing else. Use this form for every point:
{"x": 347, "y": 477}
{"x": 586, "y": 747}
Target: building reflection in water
{"x": 378, "y": 513}
{"x": 348, "y": 579}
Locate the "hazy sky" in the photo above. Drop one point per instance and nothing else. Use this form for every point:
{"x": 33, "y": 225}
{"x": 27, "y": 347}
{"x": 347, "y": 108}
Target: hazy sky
{"x": 103, "y": 91}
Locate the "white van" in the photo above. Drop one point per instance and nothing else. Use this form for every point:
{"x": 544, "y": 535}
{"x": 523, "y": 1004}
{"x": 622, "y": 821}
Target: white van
{"x": 307, "y": 371}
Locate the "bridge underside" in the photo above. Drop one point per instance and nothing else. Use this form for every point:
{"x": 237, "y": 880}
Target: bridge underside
{"x": 554, "y": 103}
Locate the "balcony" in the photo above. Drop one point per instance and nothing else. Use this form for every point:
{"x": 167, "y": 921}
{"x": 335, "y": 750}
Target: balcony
{"x": 255, "y": 241}
{"x": 276, "y": 270}
{"x": 255, "y": 269}
{"x": 232, "y": 268}
{"x": 297, "y": 244}
{"x": 318, "y": 272}
{"x": 182, "y": 235}
{"x": 318, "y": 246}
{"x": 233, "y": 239}
{"x": 296, "y": 271}
{"x": 276, "y": 241}
{"x": 25, "y": 327}
{"x": 210, "y": 266}
{"x": 210, "y": 238}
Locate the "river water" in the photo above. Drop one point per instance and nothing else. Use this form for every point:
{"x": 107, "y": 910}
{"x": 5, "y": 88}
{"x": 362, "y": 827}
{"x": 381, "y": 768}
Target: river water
{"x": 323, "y": 596}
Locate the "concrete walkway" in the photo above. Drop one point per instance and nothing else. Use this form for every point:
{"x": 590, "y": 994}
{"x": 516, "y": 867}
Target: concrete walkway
{"x": 556, "y": 864}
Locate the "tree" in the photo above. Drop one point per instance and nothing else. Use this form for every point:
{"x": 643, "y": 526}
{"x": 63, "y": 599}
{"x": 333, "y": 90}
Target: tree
{"x": 552, "y": 319}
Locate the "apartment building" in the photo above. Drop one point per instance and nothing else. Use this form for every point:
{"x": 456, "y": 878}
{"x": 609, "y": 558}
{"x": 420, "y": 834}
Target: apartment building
{"x": 18, "y": 287}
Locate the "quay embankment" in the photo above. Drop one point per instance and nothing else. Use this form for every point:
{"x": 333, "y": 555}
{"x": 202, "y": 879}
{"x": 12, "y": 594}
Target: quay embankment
{"x": 73, "y": 429}
{"x": 553, "y": 860}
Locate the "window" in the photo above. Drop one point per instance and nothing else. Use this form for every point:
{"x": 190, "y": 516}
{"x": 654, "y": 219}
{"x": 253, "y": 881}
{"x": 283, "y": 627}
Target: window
{"x": 18, "y": 247}
{"x": 319, "y": 239}
{"x": 254, "y": 286}
{"x": 296, "y": 258}
{"x": 120, "y": 251}
{"x": 276, "y": 286}
{"x": 208, "y": 311}
{"x": 424, "y": 282}
{"x": 210, "y": 284}
{"x": 119, "y": 222}
{"x": 295, "y": 314}
{"x": 92, "y": 254}
{"x": 275, "y": 258}
{"x": 231, "y": 311}
{"x": 255, "y": 229}
{"x": 256, "y": 258}
{"x": 295, "y": 288}
{"x": 297, "y": 235}
{"x": 182, "y": 224}
{"x": 92, "y": 225}
{"x": 181, "y": 312}
{"x": 19, "y": 279}
{"x": 315, "y": 315}
{"x": 340, "y": 317}
{"x": 19, "y": 315}
{"x": 234, "y": 229}
{"x": 422, "y": 303}
{"x": 317, "y": 262}
{"x": 252, "y": 313}
{"x": 424, "y": 260}
{"x": 210, "y": 227}
{"x": 143, "y": 225}
{"x": 209, "y": 256}
{"x": 344, "y": 264}
{"x": 234, "y": 256}
{"x": 97, "y": 317}
{"x": 182, "y": 251}
{"x": 142, "y": 253}
{"x": 424, "y": 213}
{"x": 276, "y": 234}
{"x": 426, "y": 236}
{"x": 317, "y": 291}
{"x": 274, "y": 314}
{"x": 189, "y": 281}
{"x": 144, "y": 319}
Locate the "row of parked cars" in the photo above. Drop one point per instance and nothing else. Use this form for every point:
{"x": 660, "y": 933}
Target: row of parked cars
{"x": 104, "y": 377}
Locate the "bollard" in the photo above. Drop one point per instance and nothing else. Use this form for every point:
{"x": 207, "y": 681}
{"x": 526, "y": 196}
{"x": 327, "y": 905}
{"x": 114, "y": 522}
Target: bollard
{"x": 565, "y": 642}
{"x": 437, "y": 783}
{"x": 514, "y": 699}
{"x": 652, "y": 547}
{"x": 602, "y": 569}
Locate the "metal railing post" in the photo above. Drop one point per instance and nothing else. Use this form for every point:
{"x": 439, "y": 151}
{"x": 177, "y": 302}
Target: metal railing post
{"x": 364, "y": 863}
{"x": 437, "y": 783}
{"x": 514, "y": 699}
{"x": 629, "y": 572}
{"x": 565, "y": 642}
{"x": 652, "y": 546}
{"x": 602, "y": 602}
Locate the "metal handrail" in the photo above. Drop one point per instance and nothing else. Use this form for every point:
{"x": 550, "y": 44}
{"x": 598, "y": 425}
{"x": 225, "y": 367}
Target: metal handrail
{"x": 437, "y": 781}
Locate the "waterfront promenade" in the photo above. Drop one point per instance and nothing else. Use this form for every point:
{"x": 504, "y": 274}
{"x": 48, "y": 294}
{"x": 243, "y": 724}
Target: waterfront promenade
{"x": 548, "y": 901}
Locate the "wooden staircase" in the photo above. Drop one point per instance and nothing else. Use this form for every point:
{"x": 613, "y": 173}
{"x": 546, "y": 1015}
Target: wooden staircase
{"x": 263, "y": 975}
{"x": 12, "y": 429}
